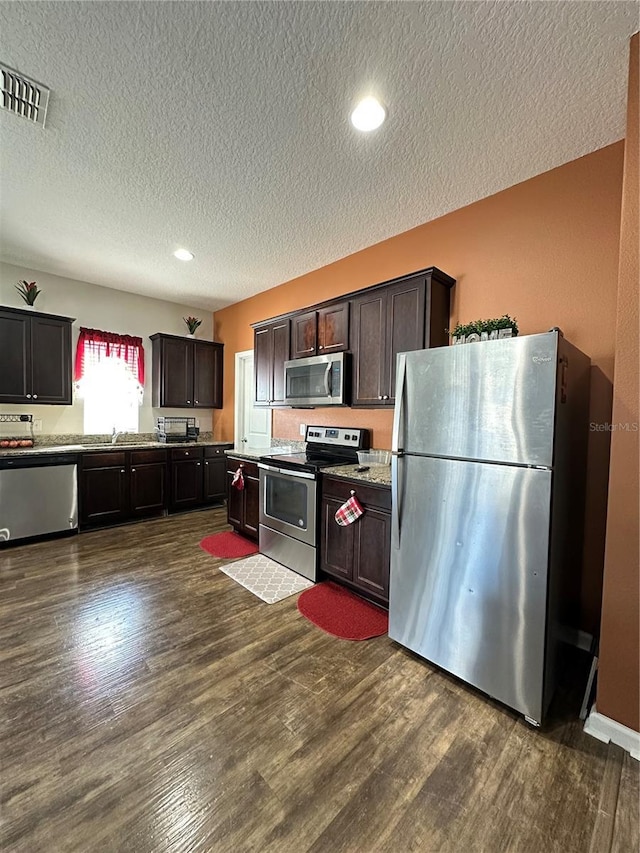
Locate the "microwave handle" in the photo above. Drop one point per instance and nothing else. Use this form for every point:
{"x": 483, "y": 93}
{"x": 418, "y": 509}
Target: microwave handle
{"x": 327, "y": 375}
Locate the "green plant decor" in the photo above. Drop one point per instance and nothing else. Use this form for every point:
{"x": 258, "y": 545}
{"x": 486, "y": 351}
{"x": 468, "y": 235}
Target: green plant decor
{"x": 477, "y": 327}
{"x": 28, "y": 290}
{"x": 192, "y": 324}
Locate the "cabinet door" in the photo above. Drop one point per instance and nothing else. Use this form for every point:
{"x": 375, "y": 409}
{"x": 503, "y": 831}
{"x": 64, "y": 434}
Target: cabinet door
{"x": 186, "y": 483}
{"x": 215, "y": 479}
{"x": 263, "y": 365}
{"x": 176, "y": 373}
{"x": 304, "y": 329}
{"x": 15, "y": 345}
{"x": 207, "y": 375}
{"x": 368, "y": 345}
{"x": 333, "y": 328}
{"x": 235, "y": 503}
{"x": 280, "y": 351}
{"x": 103, "y": 495}
{"x": 251, "y": 506}
{"x": 372, "y": 552}
{"x": 147, "y": 488}
{"x": 51, "y": 360}
{"x": 336, "y": 546}
{"x": 405, "y": 327}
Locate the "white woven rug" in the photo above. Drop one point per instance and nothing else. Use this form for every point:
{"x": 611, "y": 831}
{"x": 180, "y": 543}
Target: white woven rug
{"x": 265, "y": 578}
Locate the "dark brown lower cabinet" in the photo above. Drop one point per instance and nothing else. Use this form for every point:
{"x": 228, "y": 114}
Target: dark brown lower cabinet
{"x": 197, "y": 476}
{"x": 243, "y": 505}
{"x": 215, "y": 474}
{"x": 148, "y": 482}
{"x": 104, "y": 488}
{"x": 116, "y": 486}
{"x": 357, "y": 555}
{"x": 187, "y": 487}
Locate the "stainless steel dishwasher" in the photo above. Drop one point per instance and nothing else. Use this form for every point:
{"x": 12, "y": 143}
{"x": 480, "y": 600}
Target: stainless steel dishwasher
{"x": 38, "y": 495}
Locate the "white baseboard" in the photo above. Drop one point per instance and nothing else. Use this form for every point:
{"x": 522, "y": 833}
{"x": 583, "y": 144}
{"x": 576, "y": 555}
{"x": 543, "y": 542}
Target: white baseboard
{"x": 575, "y": 637}
{"x": 607, "y": 730}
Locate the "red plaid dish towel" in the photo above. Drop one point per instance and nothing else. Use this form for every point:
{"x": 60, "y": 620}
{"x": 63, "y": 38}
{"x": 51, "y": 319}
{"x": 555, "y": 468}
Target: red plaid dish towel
{"x": 238, "y": 480}
{"x": 349, "y": 512}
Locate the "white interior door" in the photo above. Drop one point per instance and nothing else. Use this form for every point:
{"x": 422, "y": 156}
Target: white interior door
{"x": 252, "y": 425}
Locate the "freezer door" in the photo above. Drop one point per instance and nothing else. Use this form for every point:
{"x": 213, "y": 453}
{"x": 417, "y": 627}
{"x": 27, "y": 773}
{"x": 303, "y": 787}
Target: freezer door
{"x": 469, "y": 573}
{"x": 493, "y": 400}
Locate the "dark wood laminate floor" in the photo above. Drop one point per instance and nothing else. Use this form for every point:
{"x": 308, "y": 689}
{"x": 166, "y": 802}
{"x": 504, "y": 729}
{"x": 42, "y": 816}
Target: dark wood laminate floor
{"x": 148, "y": 703}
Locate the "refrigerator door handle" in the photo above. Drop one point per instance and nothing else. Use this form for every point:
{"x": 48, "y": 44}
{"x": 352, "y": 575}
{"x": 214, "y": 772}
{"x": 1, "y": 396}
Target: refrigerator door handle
{"x": 395, "y": 500}
{"x": 397, "y": 412}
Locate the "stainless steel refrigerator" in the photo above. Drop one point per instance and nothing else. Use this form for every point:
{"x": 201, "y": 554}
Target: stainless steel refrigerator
{"x": 489, "y": 443}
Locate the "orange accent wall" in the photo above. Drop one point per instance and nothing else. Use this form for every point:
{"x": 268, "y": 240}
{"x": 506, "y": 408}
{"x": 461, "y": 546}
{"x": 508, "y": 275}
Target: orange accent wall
{"x": 619, "y": 665}
{"x": 544, "y": 251}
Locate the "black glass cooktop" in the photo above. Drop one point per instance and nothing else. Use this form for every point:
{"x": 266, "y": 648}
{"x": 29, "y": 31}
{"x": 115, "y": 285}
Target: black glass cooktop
{"x": 307, "y": 461}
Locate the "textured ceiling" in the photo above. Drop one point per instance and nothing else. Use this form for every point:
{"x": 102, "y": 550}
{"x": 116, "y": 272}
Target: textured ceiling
{"x": 223, "y": 127}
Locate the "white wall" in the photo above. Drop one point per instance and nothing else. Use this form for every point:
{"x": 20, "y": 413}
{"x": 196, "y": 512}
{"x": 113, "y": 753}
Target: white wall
{"x": 98, "y": 307}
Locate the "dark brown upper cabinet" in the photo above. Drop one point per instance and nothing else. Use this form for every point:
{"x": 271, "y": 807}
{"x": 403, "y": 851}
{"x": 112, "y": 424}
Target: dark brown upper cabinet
{"x": 187, "y": 373}
{"x": 35, "y": 353}
{"x": 408, "y": 314}
{"x": 271, "y": 350}
{"x": 321, "y": 331}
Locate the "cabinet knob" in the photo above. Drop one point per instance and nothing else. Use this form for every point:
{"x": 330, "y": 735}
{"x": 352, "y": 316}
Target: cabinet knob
{"x": 379, "y": 396}
{"x": 133, "y": 470}
{"x": 321, "y": 347}
{"x": 122, "y": 471}
{"x": 186, "y": 453}
{"x": 385, "y": 397}
{"x": 197, "y": 464}
{"x": 206, "y": 463}
{"x": 28, "y": 396}
{"x": 188, "y": 401}
{"x": 35, "y": 396}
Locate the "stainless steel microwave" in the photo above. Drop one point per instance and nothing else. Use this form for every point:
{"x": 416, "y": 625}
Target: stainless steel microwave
{"x": 322, "y": 380}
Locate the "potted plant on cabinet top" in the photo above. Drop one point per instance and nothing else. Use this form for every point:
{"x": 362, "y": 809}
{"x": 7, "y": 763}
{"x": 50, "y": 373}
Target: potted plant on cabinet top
{"x": 28, "y": 290}
{"x": 192, "y": 325}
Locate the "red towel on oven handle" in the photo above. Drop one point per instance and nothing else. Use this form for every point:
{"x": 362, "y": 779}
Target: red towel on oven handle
{"x": 238, "y": 480}
{"x": 349, "y": 512}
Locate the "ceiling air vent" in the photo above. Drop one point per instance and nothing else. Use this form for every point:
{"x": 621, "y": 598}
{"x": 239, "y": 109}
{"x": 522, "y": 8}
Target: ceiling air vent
{"x": 23, "y": 96}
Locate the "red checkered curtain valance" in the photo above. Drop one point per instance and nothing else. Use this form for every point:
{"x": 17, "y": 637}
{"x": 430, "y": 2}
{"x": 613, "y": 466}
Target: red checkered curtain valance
{"x": 95, "y": 346}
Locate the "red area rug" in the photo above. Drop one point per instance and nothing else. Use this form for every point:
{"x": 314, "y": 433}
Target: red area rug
{"x": 341, "y": 613}
{"x": 228, "y": 544}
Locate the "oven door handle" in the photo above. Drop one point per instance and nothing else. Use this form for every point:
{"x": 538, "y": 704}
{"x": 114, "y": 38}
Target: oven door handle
{"x": 303, "y": 475}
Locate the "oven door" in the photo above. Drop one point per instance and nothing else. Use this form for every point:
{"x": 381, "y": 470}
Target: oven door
{"x": 288, "y": 502}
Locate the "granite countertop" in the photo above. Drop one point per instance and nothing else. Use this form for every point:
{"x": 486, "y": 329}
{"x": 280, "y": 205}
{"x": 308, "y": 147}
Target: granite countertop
{"x": 379, "y": 475}
{"x": 43, "y": 450}
{"x": 251, "y": 454}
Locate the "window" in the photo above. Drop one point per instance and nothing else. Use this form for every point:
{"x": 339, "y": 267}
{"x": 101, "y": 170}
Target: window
{"x": 109, "y": 375}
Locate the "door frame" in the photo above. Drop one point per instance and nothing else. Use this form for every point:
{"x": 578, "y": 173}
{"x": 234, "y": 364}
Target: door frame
{"x": 240, "y": 395}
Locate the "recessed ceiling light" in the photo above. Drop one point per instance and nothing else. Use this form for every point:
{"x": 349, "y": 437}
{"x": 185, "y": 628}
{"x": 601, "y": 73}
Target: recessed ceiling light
{"x": 183, "y": 255}
{"x": 368, "y": 115}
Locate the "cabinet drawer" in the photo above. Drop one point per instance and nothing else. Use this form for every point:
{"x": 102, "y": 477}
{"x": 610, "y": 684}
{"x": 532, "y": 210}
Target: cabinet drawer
{"x": 103, "y": 460}
{"x": 373, "y": 496}
{"x": 185, "y": 453}
{"x": 146, "y": 457}
{"x": 249, "y": 469}
{"x": 216, "y": 452}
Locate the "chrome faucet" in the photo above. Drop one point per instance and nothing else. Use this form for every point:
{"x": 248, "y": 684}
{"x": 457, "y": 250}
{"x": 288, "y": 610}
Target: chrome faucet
{"x": 115, "y": 434}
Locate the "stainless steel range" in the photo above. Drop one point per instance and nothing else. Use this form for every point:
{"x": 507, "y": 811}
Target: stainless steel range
{"x": 289, "y": 495}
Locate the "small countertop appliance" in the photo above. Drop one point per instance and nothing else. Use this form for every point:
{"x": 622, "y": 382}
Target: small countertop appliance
{"x": 175, "y": 430}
